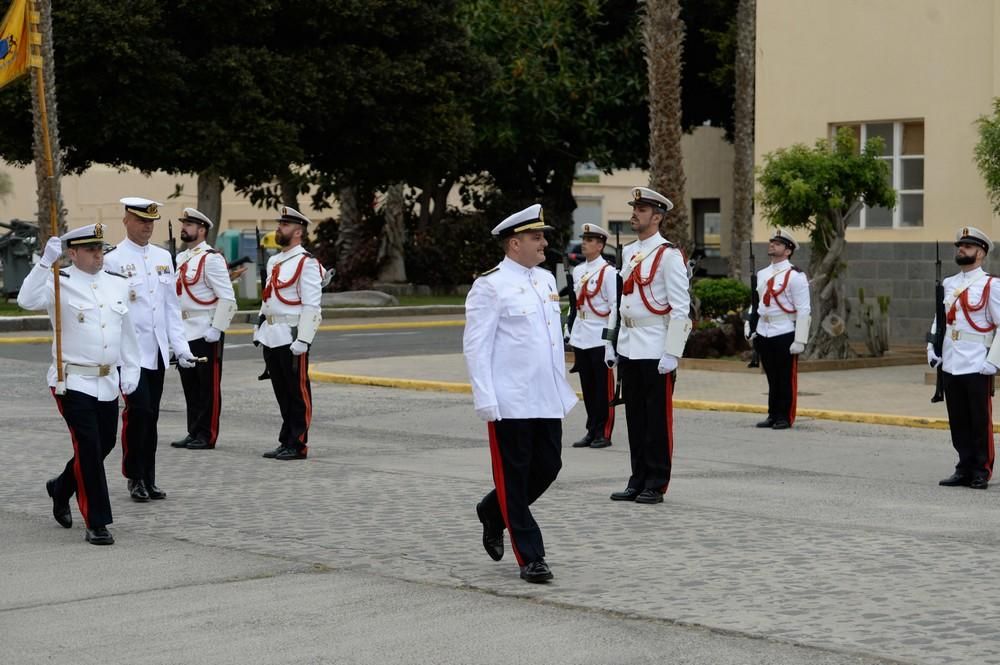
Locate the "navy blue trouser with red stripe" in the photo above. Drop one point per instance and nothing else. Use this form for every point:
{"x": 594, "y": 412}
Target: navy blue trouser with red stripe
{"x": 649, "y": 414}
{"x": 597, "y": 383}
{"x": 290, "y": 383}
{"x": 139, "y": 419}
{"x": 970, "y": 418}
{"x": 202, "y": 386}
{"x": 93, "y": 427}
{"x": 527, "y": 456}
{"x": 781, "y": 368}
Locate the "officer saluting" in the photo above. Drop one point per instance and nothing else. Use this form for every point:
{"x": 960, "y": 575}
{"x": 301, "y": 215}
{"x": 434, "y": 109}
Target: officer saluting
{"x": 155, "y": 312}
{"x": 783, "y": 328}
{"x": 595, "y": 284}
{"x": 97, "y": 340}
{"x": 291, "y": 313}
{"x": 207, "y": 305}
{"x": 514, "y": 352}
{"x": 655, "y": 327}
{"x": 971, "y": 355}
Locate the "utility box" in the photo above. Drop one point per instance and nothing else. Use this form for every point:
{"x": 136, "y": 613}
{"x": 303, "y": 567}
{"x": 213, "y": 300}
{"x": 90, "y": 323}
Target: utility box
{"x": 16, "y": 249}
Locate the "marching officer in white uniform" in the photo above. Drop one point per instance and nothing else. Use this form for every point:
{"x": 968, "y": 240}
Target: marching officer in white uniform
{"x": 207, "y": 305}
{"x": 156, "y": 315}
{"x": 595, "y": 297}
{"x": 971, "y": 356}
{"x": 99, "y": 354}
{"x": 654, "y": 329}
{"x": 290, "y": 314}
{"x": 783, "y": 329}
{"x": 514, "y": 353}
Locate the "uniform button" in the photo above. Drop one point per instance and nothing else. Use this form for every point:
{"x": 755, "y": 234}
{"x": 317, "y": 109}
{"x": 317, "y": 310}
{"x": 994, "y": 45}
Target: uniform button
{"x": 151, "y": 290}
{"x": 105, "y": 346}
{"x": 101, "y": 305}
{"x": 103, "y": 325}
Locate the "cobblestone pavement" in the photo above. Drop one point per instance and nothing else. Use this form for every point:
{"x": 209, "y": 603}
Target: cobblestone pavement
{"x": 830, "y": 535}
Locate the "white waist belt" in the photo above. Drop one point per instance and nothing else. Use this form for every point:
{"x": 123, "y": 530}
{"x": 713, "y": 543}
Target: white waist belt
{"x": 774, "y": 318}
{"x": 278, "y": 318}
{"x": 963, "y": 336}
{"x": 194, "y": 313}
{"x": 581, "y": 314}
{"x": 644, "y": 322}
{"x": 88, "y": 370}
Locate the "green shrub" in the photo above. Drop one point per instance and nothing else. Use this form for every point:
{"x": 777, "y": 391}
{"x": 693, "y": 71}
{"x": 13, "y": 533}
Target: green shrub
{"x": 718, "y": 297}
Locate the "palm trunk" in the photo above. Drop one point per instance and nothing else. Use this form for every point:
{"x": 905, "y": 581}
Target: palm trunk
{"x": 349, "y": 233}
{"x": 743, "y": 144}
{"x": 392, "y": 266}
{"x": 48, "y": 189}
{"x": 210, "y": 201}
{"x": 828, "y": 339}
{"x": 663, "y": 33}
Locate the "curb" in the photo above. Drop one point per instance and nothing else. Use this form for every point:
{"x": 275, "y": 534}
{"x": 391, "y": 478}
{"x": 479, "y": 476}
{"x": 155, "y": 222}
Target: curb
{"x": 689, "y": 404}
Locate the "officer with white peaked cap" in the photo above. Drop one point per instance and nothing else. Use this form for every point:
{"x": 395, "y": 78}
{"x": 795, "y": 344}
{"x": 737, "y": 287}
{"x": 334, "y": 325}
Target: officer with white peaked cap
{"x": 969, "y": 359}
{"x": 155, "y": 310}
{"x": 207, "y": 306}
{"x": 100, "y": 356}
{"x": 514, "y": 353}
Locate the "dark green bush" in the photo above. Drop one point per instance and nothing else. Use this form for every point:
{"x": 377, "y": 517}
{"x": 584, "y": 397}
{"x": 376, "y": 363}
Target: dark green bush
{"x": 718, "y": 297}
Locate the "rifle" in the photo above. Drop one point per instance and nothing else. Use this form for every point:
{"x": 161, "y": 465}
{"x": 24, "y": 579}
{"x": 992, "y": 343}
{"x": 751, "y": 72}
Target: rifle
{"x": 571, "y": 318}
{"x": 172, "y": 243}
{"x": 262, "y": 267}
{"x": 754, "y": 316}
{"x": 936, "y": 338}
{"x": 611, "y": 334}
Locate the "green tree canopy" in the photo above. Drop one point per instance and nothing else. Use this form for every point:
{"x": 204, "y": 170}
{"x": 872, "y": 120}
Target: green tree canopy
{"x": 988, "y": 153}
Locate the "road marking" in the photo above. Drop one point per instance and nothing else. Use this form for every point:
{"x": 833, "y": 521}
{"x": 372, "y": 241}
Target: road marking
{"x": 378, "y": 334}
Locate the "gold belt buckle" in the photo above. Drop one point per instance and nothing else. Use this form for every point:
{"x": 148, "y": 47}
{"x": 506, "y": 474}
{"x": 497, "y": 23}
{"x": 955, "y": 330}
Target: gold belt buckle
{"x": 103, "y": 370}
{"x": 583, "y": 314}
{"x": 954, "y": 334}
{"x": 184, "y": 315}
{"x": 270, "y": 320}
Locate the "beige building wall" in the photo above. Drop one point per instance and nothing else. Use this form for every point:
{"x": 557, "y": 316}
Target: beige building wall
{"x": 842, "y": 61}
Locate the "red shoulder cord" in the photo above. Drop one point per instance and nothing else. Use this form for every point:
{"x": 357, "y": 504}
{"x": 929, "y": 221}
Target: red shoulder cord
{"x": 771, "y": 293}
{"x": 275, "y": 285}
{"x": 643, "y": 282}
{"x": 586, "y": 296}
{"x": 966, "y": 308}
{"x": 183, "y": 284}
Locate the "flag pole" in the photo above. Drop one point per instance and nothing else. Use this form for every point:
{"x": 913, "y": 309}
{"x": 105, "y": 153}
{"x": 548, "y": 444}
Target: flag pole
{"x": 36, "y": 63}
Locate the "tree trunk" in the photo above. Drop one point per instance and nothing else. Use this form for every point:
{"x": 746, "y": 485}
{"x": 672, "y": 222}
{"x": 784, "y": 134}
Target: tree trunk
{"x": 663, "y": 33}
{"x": 743, "y": 144}
{"x": 349, "y": 232}
{"x": 828, "y": 338}
{"x": 392, "y": 266}
{"x": 210, "y": 201}
{"x": 289, "y": 188}
{"x": 49, "y": 189}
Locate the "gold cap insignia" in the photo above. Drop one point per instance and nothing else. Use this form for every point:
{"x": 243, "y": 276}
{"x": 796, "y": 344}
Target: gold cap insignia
{"x": 586, "y": 228}
{"x": 541, "y": 217}
{"x": 637, "y": 193}
{"x": 151, "y": 209}
{"x": 965, "y": 231}
{"x": 99, "y": 231}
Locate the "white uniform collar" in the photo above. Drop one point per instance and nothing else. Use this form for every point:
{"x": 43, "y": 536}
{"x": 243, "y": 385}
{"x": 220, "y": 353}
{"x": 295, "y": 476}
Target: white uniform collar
{"x": 781, "y": 265}
{"x": 128, "y": 244}
{"x": 972, "y": 275}
{"x": 287, "y": 254}
{"x": 203, "y": 246}
{"x": 510, "y": 264}
{"x": 595, "y": 264}
{"x": 654, "y": 240}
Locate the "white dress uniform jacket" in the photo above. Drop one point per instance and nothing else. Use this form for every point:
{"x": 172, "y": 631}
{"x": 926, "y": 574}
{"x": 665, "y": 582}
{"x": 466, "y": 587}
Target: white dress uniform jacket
{"x": 775, "y": 318}
{"x": 96, "y": 327}
{"x": 304, "y": 293}
{"x": 513, "y": 343}
{"x": 209, "y": 273}
{"x": 669, "y": 287}
{"x": 152, "y": 300}
{"x": 966, "y": 354}
{"x": 599, "y": 278}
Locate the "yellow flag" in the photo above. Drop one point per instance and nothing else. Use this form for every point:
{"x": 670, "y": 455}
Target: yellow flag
{"x": 14, "y": 42}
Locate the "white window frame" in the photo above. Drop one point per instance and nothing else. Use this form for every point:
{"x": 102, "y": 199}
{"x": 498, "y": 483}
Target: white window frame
{"x": 897, "y": 159}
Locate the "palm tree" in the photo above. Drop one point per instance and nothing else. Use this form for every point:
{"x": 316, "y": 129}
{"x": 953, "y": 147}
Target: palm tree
{"x": 743, "y": 144}
{"x": 663, "y": 36}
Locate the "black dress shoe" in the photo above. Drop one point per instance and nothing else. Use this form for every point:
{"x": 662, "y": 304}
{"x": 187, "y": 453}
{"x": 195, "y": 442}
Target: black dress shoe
{"x": 781, "y": 424}
{"x": 979, "y": 483}
{"x": 271, "y": 454}
{"x": 600, "y": 442}
{"x": 290, "y": 454}
{"x": 649, "y": 496}
{"x": 182, "y": 443}
{"x": 100, "y": 535}
{"x": 154, "y": 492}
{"x": 627, "y": 494}
{"x": 199, "y": 444}
{"x": 767, "y": 422}
{"x": 60, "y": 509}
{"x": 137, "y": 490}
{"x": 492, "y": 534}
{"x": 536, "y": 572}
{"x": 956, "y": 480}
{"x": 584, "y": 442}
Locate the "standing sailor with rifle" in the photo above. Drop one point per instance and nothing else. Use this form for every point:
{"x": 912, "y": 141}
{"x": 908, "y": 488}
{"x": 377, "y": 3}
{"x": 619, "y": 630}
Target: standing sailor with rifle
{"x": 969, "y": 359}
{"x": 593, "y": 301}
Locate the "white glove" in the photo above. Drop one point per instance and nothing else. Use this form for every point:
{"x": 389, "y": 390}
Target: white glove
{"x": 668, "y": 363}
{"x": 610, "y": 357}
{"x": 299, "y": 347}
{"x": 566, "y": 333}
{"x": 988, "y": 368}
{"x": 746, "y": 329}
{"x": 488, "y": 413}
{"x": 796, "y": 348}
{"x": 128, "y": 387}
{"x": 212, "y": 335}
{"x": 53, "y": 250}
{"x": 186, "y": 360}
{"x": 933, "y": 359}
